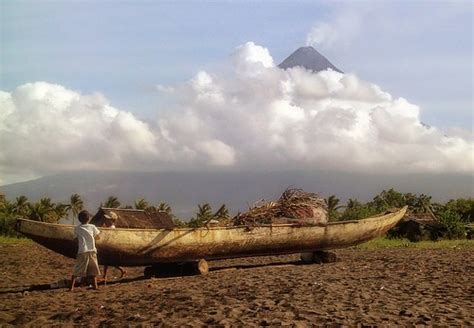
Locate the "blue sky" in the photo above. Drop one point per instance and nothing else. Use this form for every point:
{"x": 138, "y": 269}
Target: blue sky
{"x": 418, "y": 50}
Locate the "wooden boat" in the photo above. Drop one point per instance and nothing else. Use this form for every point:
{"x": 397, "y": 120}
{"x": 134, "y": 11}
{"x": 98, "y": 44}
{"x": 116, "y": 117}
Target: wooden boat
{"x": 140, "y": 247}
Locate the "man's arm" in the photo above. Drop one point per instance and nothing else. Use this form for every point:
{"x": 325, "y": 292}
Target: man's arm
{"x": 96, "y": 233}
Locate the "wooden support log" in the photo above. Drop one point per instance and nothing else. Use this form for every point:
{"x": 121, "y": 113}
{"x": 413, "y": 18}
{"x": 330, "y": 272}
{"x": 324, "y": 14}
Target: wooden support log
{"x": 307, "y": 257}
{"x": 200, "y": 267}
{"x": 326, "y": 257}
{"x": 318, "y": 257}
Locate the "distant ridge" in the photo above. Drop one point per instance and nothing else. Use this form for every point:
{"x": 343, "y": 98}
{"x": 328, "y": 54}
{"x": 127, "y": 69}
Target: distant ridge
{"x": 237, "y": 189}
{"x": 309, "y": 58}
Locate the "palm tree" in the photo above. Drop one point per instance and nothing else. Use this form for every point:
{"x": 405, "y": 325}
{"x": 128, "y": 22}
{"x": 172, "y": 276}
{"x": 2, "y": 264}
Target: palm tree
{"x": 423, "y": 204}
{"x": 204, "y": 214}
{"x": 7, "y": 209}
{"x": 75, "y": 206}
{"x": 46, "y": 202}
{"x": 61, "y": 210}
{"x": 21, "y": 206}
{"x": 332, "y": 202}
{"x": 352, "y": 203}
{"x": 112, "y": 202}
{"x": 44, "y": 211}
{"x": 164, "y": 207}
{"x": 7, "y": 218}
{"x": 222, "y": 213}
{"x": 48, "y": 210}
{"x": 388, "y": 199}
{"x": 36, "y": 211}
{"x": 141, "y": 204}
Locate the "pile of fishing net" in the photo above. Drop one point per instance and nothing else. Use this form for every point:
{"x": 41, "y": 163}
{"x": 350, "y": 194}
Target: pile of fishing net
{"x": 294, "y": 206}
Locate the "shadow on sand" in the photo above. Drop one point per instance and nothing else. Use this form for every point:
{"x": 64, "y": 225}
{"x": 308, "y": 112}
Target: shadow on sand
{"x": 64, "y": 283}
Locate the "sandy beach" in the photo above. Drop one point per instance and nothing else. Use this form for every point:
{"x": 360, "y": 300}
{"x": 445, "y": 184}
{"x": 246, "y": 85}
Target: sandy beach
{"x": 365, "y": 287}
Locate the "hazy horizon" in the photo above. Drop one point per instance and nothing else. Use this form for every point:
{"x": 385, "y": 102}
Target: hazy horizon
{"x": 185, "y": 190}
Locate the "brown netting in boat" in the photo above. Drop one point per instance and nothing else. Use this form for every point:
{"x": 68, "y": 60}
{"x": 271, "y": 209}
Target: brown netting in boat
{"x": 294, "y": 206}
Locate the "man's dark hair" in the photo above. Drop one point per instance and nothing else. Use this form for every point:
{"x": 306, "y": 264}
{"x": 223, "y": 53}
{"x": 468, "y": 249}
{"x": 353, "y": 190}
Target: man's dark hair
{"x": 84, "y": 216}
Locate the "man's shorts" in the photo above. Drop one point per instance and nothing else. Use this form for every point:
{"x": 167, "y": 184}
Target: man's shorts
{"x": 86, "y": 265}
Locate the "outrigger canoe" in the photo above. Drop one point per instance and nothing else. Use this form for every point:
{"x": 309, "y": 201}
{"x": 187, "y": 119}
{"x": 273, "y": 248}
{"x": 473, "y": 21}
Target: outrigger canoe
{"x": 141, "y": 247}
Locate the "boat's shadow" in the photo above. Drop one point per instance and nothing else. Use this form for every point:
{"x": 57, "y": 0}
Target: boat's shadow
{"x": 254, "y": 265}
{"x": 63, "y": 284}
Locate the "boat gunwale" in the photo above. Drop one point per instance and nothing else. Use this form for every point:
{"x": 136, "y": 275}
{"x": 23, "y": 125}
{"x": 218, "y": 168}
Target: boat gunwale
{"x": 206, "y": 228}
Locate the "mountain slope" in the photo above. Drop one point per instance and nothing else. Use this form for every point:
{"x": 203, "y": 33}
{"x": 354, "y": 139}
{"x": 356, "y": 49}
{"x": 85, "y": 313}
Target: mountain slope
{"x": 185, "y": 190}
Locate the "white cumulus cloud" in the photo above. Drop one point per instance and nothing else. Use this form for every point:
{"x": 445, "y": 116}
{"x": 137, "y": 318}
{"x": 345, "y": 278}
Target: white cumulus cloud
{"x": 299, "y": 119}
{"x": 46, "y": 128}
{"x": 253, "y": 116}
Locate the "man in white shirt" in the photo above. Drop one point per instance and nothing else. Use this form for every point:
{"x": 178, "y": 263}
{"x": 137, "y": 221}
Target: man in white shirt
{"x": 86, "y": 260}
{"x": 109, "y": 222}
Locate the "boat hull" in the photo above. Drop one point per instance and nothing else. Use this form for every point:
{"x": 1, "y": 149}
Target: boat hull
{"x": 138, "y": 247}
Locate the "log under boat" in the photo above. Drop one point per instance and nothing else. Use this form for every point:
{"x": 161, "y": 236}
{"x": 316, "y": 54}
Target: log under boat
{"x": 140, "y": 247}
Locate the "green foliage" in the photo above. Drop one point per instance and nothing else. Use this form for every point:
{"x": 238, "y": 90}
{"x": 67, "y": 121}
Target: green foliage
{"x": 204, "y": 215}
{"x": 7, "y": 223}
{"x": 111, "y": 202}
{"x": 21, "y": 206}
{"x": 7, "y": 227}
{"x": 44, "y": 210}
{"x": 357, "y": 212}
{"x": 7, "y": 209}
{"x": 179, "y": 223}
{"x": 6, "y": 239}
{"x": 332, "y": 204}
{"x": 7, "y": 219}
{"x": 164, "y": 207}
{"x": 452, "y": 224}
{"x": 61, "y": 210}
{"x": 75, "y": 206}
{"x": 404, "y": 243}
{"x": 221, "y": 214}
{"x": 141, "y": 204}
{"x": 389, "y": 199}
{"x": 47, "y": 211}
{"x": 464, "y": 207}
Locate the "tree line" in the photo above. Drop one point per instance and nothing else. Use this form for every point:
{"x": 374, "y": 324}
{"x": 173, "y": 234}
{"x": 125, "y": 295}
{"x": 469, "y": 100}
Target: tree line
{"x": 454, "y": 215}
{"x": 454, "y": 218}
{"x": 45, "y": 210}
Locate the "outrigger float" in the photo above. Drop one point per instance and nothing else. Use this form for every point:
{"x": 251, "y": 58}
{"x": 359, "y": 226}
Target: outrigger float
{"x": 162, "y": 247}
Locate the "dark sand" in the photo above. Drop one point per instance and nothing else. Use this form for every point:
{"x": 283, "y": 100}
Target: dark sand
{"x": 377, "y": 287}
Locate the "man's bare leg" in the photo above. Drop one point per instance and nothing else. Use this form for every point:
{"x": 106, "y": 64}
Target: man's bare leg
{"x": 73, "y": 282}
{"x": 94, "y": 282}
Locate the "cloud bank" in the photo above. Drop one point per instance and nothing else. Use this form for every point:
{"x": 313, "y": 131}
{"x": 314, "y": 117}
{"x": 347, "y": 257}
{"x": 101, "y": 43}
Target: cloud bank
{"x": 253, "y": 116}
